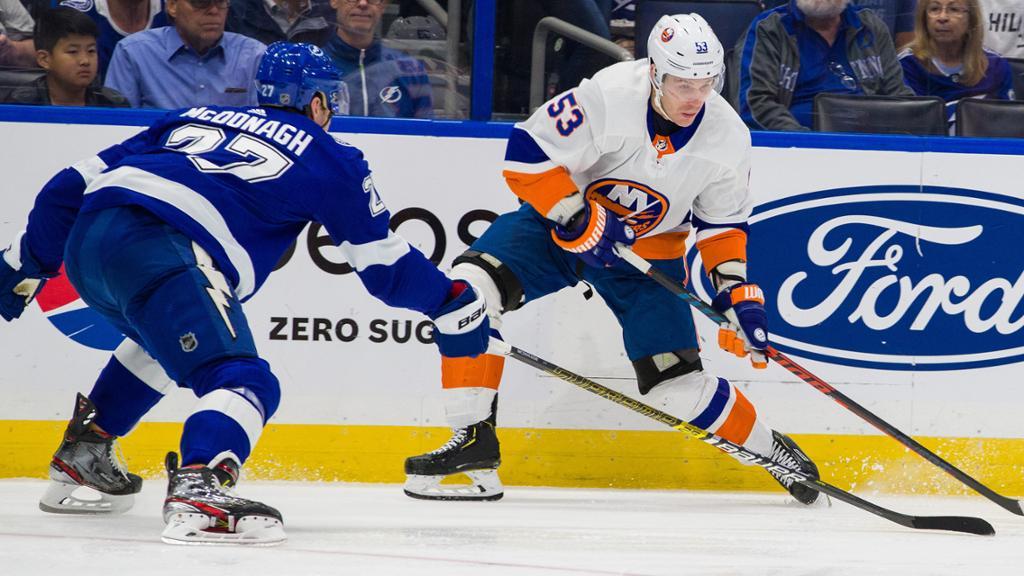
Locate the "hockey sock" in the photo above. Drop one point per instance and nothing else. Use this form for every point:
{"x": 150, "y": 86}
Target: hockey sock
{"x": 127, "y": 388}
{"x": 223, "y": 421}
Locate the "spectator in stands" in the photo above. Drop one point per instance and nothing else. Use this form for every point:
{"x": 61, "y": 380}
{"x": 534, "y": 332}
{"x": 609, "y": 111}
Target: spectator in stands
{"x": 193, "y": 63}
{"x": 16, "y": 47}
{"x": 1005, "y": 27}
{"x": 947, "y": 59}
{"x": 66, "y": 42}
{"x": 116, "y": 19}
{"x": 793, "y": 52}
{"x": 898, "y": 16}
{"x": 270, "y": 21}
{"x": 381, "y": 81}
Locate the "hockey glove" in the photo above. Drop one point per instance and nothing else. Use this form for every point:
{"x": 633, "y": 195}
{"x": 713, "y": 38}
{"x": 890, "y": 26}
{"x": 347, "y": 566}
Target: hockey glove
{"x": 747, "y": 329}
{"x": 461, "y": 326}
{"x": 592, "y": 235}
{"x": 20, "y": 279}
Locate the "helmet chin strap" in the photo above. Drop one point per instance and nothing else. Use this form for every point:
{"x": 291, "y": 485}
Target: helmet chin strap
{"x": 656, "y": 104}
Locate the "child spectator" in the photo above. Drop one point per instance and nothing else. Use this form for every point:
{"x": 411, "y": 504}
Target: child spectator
{"x": 946, "y": 58}
{"x": 66, "y": 42}
{"x": 116, "y": 19}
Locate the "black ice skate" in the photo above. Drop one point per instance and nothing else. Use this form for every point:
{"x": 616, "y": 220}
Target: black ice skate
{"x": 201, "y": 507}
{"x": 786, "y": 452}
{"x": 89, "y": 458}
{"x": 472, "y": 451}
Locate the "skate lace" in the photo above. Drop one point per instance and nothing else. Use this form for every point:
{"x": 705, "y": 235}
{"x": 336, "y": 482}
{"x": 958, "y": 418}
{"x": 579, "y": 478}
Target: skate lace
{"x": 783, "y": 456}
{"x": 117, "y": 459}
{"x": 458, "y": 435}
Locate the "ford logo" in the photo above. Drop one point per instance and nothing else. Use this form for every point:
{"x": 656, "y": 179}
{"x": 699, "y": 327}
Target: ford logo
{"x": 892, "y": 277}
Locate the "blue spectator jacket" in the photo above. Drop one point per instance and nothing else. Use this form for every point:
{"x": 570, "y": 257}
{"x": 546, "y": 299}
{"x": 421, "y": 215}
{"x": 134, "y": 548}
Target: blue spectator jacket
{"x": 770, "y": 62}
{"x": 997, "y": 82}
{"x": 382, "y": 81}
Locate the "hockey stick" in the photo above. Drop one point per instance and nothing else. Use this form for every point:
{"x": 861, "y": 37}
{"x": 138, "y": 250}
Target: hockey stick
{"x": 966, "y": 524}
{"x": 824, "y": 387}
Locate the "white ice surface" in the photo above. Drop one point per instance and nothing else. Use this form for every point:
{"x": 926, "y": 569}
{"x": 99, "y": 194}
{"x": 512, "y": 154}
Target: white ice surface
{"x": 356, "y": 529}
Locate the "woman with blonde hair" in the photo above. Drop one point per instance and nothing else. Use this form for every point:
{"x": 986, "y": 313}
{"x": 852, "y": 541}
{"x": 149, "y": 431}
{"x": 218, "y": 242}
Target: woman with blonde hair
{"x": 947, "y": 59}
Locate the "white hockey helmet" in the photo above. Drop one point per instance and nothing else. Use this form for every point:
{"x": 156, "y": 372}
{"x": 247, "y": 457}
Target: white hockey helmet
{"x": 684, "y": 45}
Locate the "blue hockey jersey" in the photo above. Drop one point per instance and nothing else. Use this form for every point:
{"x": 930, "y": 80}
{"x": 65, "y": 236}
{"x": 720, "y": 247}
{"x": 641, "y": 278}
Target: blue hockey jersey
{"x": 242, "y": 183}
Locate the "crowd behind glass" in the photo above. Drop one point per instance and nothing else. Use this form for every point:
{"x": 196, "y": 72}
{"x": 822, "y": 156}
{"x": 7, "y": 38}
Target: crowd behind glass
{"x": 397, "y": 62}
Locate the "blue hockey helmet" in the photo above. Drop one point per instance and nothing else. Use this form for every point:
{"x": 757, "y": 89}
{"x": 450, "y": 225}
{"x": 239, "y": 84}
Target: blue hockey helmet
{"x": 291, "y": 74}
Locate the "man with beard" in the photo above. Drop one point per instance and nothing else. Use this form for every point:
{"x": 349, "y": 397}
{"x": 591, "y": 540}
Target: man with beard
{"x": 793, "y": 52}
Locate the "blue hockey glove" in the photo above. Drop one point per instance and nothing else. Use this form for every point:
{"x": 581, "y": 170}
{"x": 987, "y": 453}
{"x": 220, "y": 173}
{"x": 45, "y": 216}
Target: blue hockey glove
{"x": 20, "y": 279}
{"x": 461, "y": 326}
{"x": 592, "y": 235}
{"x": 747, "y": 329}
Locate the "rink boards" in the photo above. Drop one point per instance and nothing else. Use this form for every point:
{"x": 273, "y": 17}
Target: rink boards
{"x": 891, "y": 266}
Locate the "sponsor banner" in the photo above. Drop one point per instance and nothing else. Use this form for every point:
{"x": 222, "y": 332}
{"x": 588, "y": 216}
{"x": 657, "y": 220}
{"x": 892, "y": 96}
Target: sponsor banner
{"x": 894, "y": 274}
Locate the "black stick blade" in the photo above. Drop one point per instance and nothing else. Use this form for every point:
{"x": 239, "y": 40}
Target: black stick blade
{"x": 966, "y": 524}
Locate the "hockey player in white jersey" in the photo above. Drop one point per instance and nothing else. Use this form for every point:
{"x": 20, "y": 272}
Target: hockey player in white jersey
{"x": 653, "y": 140}
{"x": 165, "y": 235}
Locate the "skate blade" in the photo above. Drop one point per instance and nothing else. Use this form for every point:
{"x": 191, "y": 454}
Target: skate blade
{"x": 193, "y": 530}
{"x": 60, "y": 498}
{"x": 486, "y": 486}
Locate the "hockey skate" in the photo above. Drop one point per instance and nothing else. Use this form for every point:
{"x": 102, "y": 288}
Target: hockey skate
{"x": 91, "y": 459}
{"x": 786, "y": 452}
{"x": 472, "y": 451}
{"x": 201, "y": 507}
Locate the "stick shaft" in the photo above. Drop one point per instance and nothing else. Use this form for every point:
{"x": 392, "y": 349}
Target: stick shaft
{"x": 950, "y": 523}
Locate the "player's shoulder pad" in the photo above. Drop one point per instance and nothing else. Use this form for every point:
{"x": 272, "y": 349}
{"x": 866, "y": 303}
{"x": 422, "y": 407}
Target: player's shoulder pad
{"x": 623, "y": 90}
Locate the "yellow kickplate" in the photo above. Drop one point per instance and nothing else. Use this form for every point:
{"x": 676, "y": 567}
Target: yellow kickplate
{"x": 550, "y": 457}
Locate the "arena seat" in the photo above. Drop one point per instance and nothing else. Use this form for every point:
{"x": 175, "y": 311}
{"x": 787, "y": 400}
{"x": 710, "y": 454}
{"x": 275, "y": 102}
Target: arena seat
{"x": 918, "y": 115}
{"x": 985, "y": 118}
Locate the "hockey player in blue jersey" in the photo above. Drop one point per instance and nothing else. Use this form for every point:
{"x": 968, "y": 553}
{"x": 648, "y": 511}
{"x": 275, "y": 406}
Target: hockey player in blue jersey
{"x": 166, "y": 234}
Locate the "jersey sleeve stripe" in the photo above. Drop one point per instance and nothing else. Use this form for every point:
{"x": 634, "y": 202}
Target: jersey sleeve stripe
{"x": 524, "y": 168}
{"x": 383, "y": 252}
{"x": 90, "y": 168}
{"x": 730, "y": 244}
{"x": 523, "y": 148}
{"x": 193, "y": 205}
{"x": 667, "y": 246}
{"x": 542, "y": 191}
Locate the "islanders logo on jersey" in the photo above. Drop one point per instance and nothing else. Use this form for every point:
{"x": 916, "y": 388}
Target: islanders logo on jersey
{"x": 645, "y": 206}
{"x": 62, "y": 306}
{"x": 892, "y": 277}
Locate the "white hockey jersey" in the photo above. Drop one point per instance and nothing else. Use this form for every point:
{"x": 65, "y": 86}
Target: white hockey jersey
{"x": 599, "y": 138}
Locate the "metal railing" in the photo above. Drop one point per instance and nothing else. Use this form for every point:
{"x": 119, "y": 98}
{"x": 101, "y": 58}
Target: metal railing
{"x": 550, "y": 24}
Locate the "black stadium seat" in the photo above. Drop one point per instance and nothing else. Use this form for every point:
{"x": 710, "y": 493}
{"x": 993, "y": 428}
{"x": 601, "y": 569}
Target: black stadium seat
{"x": 728, "y": 18}
{"x": 984, "y": 118}
{"x": 1017, "y": 66}
{"x": 919, "y": 115}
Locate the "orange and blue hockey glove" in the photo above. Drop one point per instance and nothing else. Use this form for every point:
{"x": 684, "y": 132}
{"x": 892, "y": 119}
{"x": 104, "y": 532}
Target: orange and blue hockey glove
{"x": 592, "y": 235}
{"x": 747, "y": 329}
